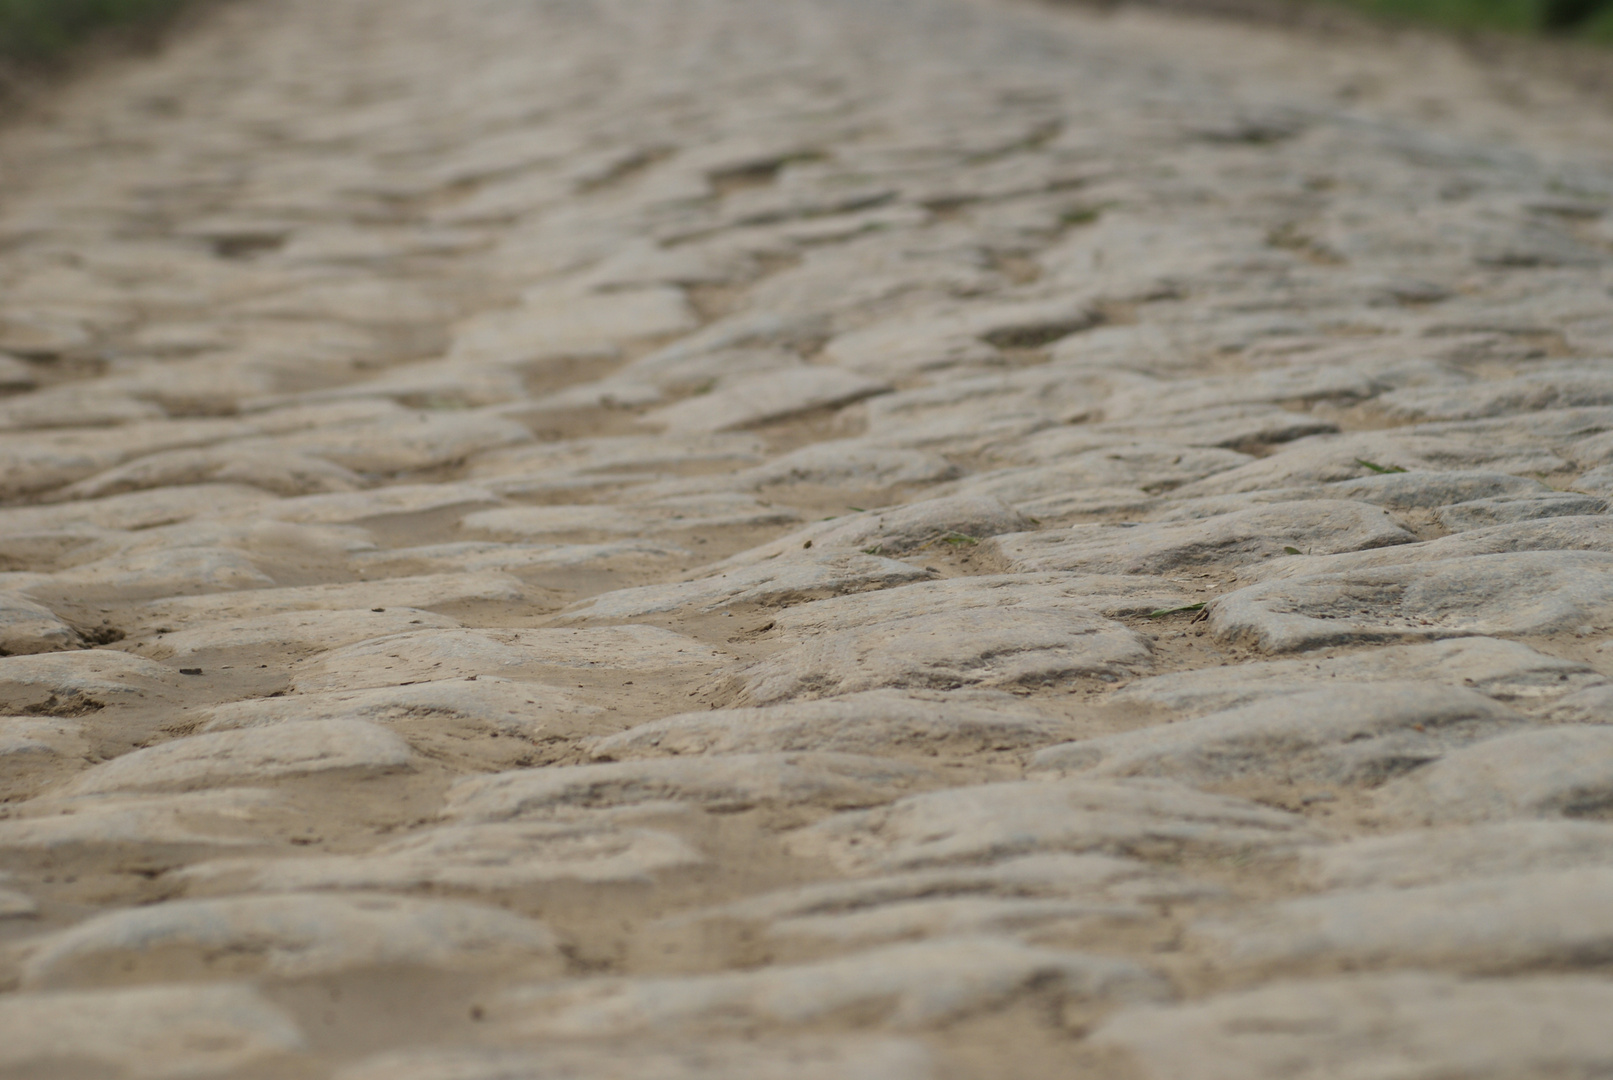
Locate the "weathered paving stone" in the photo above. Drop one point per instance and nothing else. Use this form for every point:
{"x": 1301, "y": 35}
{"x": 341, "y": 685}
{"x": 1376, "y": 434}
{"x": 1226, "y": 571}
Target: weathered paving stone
{"x": 722, "y": 784}
{"x": 1540, "y": 920}
{"x": 143, "y": 574}
{"x": 1413, "y": 1025}
{"x": 423, "y": 591}
{"x": 141, "y": 826}
{"x": 841, "y": 1058}
{"x": 251, "y": 755}
{"x": 480, "y": 857}
{"x": 808, "y": 576}
{"x": 285, "y": 473}
{"x": 1228, "y": 539}
{"x": 1481, "y": 513}
{"x": 897, "y": 531}
{"x": 1546, "y": 772}
{"x": 80, "y": 681}
{"x": 1035, "y": 893}
{"x": 1350, "y": 734}
{"x": 1432, "y": 856}
{"x": 27, "y": 627}
{"x": 146, "y": 1033}
{"x": 663, "y": 515}
{"x": 877, "y": 722}
{"x": 486, "y": 703}
{"x": 447, "y": 654}
{"x": 138, "y": 510}
{"x": 994, "y": 821}
{"x": 1524, "y": 593}
{"x": 748, "y": 499}
{"x": 33, "y": 749}
{"x": 291, "y": 631}
{"x": 1112, "y": 594}
{"x": 903, "y": 986}
{"x": 974, "y": 647}
{"x": 759, "y": 399}
{"x": 1505, "y": 670}
{"x": 1594, "y": 533}
{"x": 290, "y": 936}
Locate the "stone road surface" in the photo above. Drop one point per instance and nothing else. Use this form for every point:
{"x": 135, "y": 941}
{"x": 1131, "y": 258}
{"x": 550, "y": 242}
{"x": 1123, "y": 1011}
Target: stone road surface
{"x": 808, "y": 540}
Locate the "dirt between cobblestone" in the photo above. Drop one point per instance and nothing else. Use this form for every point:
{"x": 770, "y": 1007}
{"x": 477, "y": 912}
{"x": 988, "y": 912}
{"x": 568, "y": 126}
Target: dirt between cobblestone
{"x": 916, "y": 539}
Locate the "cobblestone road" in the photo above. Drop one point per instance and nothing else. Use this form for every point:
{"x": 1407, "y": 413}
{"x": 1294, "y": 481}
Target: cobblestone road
{"x": 809, "y": 540}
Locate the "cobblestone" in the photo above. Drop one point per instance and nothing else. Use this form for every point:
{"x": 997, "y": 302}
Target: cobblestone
{"x": 886, "y": 539}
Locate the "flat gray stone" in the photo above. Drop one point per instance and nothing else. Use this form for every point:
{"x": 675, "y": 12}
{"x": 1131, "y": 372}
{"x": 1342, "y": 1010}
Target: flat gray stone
{"x": 294, "y": 631}
{"x": 1551, "y": 534}
{"x": 280, "y": 472}
{"x": 723, "y": 784}
{"x": 1576, "y": 386}
{"x": 1349, "y": 733}
{"x": 1591, "y": 705}
{"x": 559, "y": 322}
{"x": 142, "y": 825}
{"x": 1422, "y": 489}
{"x": 895, "y": 531}
{"x": 1504, "y": 670}
{"x": 850, "y": 462}
{"x": 1412, "y": 1026}
{"x": 291, "y": 936}
{"x": 36, "y": 750}
{"x": 972, "y": 647}
{"x": 145, "y": 1033}
{"x": 652, "y": 516}
{"x": 920, "y": 985}
{"x": 426, "y": 591}
{"x": 137, "y": 510}
{"x": 27, "y": 627}
{"x": 995, "y": 821}
{"x": 1547, "y": 772}
{"x": 805, "y": 576}
{"x": 749, "y": 401}
{"x": 1151, "y": 467}
{"x": 1483, "y": 513}
{"x": 449, "y": 654}
{"x": 1016, "y": 895}
{"x": 1452, "y": 853}
{"x": 814, "y": 1058}
{"x": 140, "y": 575}
{"x": 393, "y": 501}
{"x": 481, "y": 857}
{"x": 485, "y": 704}
{"x": 1324, "y": 459}
{"x": 331, "y": 747}
{"x": 1226, "y": 540}
{"x": 82, "y": 679}
{"x": 1110, "y": 594}
{"x": 883, "y": 722}
{"x": 1524, "y": 593}
{"x": 1560, "y": 918}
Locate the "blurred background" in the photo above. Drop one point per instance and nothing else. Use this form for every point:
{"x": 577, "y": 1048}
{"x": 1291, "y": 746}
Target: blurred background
{"x": 44, "y": 32}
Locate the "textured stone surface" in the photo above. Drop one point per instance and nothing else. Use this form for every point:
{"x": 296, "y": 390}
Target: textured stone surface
{"x": 594, "y": 540}
{"x": 293, "y": 935}
{"x": 250, "y": 756}
{"x": 1347, "y": 734}
{"x": 989, "y": 822}
{"x": 1551, "y": 919}
{"x": 904, "y": 986}
{"x": 1525, "y": 593}
{"x": 864, "y": 1058}
{"x": 1411, "y": 1025}
{"x": 149, "y": 1033}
